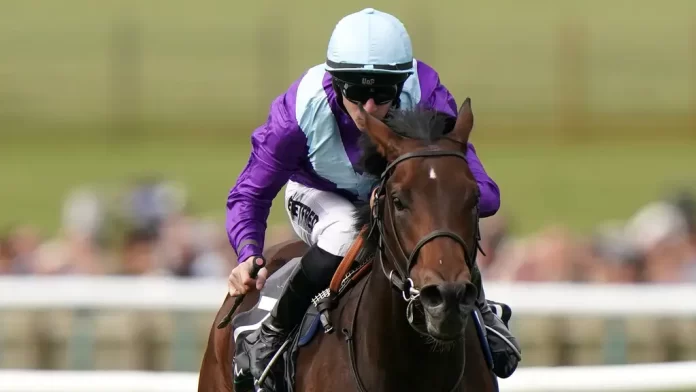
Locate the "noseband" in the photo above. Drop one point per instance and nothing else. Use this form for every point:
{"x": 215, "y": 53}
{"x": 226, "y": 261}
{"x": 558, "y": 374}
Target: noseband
{"x": 399, "y": 277}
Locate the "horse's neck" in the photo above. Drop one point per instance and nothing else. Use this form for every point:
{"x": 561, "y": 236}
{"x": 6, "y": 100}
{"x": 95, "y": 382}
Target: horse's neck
{"x": 388, "y": 342}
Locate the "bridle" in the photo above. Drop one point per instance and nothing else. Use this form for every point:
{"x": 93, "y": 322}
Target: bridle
{"x": 399, "y": 277}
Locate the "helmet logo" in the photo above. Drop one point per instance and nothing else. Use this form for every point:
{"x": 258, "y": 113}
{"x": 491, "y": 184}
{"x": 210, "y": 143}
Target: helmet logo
{"x": 368, "y": 82}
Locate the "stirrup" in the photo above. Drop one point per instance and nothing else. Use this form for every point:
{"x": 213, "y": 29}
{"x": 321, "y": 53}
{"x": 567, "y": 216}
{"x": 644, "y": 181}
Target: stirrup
{"x": 269, "y": 366}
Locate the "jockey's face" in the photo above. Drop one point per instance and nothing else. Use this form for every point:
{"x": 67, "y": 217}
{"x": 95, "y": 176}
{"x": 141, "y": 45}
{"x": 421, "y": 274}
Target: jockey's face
{"x": 378, "y": 111}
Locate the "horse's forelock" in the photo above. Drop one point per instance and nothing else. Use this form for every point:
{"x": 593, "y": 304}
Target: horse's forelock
{"x": 418, "y": 124}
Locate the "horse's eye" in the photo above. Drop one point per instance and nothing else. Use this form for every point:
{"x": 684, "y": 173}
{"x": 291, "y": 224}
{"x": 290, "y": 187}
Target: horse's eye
{"x": 398, "y": 204}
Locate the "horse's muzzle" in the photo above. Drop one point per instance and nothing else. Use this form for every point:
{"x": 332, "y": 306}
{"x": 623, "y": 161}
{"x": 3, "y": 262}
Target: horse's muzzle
{"x": 447, "y": 307}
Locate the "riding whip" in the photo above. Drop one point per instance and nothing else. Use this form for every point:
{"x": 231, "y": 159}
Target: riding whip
{"x": 259, "y": 262}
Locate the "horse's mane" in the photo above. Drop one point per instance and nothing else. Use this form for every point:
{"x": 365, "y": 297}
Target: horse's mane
{"x": 421, "y": 124}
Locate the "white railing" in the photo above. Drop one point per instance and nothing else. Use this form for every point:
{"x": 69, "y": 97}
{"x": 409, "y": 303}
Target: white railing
{"x": 96, "y": 381}
{"x": 635, "y": 378}
{"x": 674, "y": 376}
{"x": 159, "y": 293}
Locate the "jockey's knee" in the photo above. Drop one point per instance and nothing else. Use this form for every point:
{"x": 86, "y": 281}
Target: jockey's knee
{"x": 337, "y": 237}
{"x": 319, "y": 265}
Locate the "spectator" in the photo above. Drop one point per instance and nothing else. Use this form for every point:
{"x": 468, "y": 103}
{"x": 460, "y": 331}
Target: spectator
{"x": 6, "y": 266}
{"x": 19, "y": 250}
{"x": 616, "y": 259}
{"x": 660, "y": 232}
{"x": 138, "y": 253}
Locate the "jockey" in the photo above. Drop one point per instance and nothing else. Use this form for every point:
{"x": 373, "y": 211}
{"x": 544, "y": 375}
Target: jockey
{"x": 310, "y": 143}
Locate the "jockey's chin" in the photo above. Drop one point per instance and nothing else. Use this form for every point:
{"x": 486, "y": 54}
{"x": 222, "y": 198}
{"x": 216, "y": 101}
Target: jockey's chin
{"x": 377, "y": 111}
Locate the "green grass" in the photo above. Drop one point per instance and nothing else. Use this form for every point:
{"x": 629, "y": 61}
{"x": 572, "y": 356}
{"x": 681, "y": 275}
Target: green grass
{"x": 195, "y": 77}
{"x": 575, "y": 186}
{"x": 215, "y": 64}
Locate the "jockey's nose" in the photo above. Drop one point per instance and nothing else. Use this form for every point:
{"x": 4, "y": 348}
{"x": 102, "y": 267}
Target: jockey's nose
{"x": 370, "y": 106}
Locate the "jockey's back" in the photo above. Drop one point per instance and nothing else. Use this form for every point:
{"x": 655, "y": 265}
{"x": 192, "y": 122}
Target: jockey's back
{"x": 330, "y": 136}
{"x": 310, "y": 139}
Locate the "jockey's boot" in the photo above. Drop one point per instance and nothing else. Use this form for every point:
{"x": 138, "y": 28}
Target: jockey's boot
{"x": 307, "y": 279}
{"x": 287, "y": 314}
{"x": 505, "y": 350}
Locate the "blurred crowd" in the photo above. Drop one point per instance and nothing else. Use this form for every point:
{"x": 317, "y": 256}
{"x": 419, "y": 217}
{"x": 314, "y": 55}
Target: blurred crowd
{"x": 147, "y": 229}
{"x": 144, "y": 229}
{"x": 657, "y": 244}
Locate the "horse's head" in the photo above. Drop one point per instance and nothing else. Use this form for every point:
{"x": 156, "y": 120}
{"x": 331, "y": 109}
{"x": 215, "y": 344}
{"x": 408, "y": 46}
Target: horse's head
{"x": 425, "y": 211}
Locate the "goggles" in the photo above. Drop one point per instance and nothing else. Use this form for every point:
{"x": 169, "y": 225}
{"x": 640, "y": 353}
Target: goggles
{"x": 359, "y": 93}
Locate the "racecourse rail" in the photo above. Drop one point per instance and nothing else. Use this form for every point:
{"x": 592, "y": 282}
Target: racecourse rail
{"x": 206, "y": 294}
{"x": 163, "y": 293}
{"x": 635, "y": 378}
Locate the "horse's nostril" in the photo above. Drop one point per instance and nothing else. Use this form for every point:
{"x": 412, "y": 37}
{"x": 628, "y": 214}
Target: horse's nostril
{"x": 469, "y": 295}
{"x": 447, "y": 297}
{"x": 431, "y": 296}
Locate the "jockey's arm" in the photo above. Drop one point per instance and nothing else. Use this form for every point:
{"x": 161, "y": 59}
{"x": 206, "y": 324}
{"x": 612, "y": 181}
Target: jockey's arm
{"x": 490, "y": 193}
{"x": 278, "y": 147}
{"x": 442, "y": 100}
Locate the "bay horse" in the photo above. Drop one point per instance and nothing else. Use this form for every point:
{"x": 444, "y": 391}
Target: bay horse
{"x": 408, "y": 324}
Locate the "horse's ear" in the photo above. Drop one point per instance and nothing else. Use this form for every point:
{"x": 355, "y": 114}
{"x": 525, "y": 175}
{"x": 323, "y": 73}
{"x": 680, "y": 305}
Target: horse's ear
{"x": 464, "y": 124}
{"x": 387, "y": 141}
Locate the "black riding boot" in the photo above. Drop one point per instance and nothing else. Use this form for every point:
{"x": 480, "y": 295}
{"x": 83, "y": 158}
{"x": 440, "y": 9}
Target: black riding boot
{"x": 310, "y": 276}
{"x": 505, "y": 350}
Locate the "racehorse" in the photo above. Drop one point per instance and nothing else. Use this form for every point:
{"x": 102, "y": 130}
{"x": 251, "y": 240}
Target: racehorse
{"x": 410, "y": 323}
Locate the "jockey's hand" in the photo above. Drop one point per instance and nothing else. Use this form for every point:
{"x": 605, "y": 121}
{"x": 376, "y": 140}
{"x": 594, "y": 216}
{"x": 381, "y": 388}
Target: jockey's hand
{"x": 240, "y": 281}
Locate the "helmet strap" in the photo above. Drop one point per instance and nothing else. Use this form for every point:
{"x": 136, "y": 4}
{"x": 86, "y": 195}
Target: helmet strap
{"x": 397, "y": 102}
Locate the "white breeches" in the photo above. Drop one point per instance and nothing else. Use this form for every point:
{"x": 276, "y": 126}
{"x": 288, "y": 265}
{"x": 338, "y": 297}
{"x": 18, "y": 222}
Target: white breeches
{"x": 322, "y": 218}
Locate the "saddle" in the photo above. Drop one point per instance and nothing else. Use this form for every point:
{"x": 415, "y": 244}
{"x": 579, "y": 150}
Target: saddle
{"x": 246, "y": 324}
